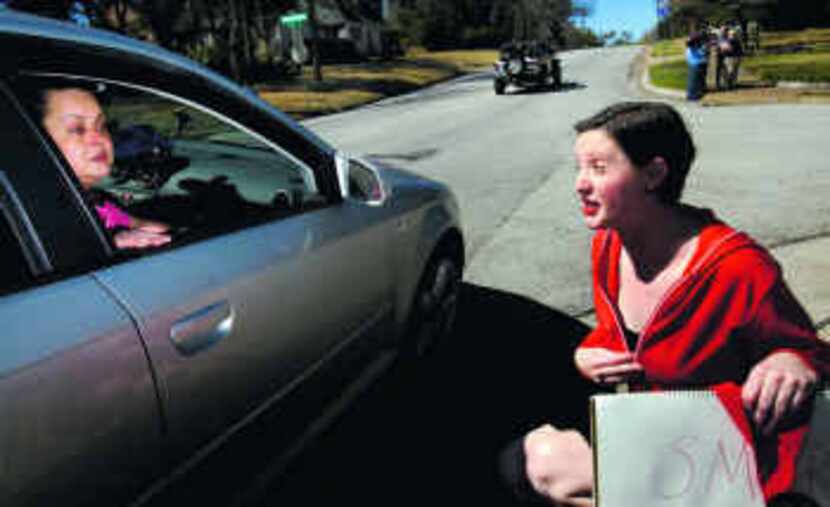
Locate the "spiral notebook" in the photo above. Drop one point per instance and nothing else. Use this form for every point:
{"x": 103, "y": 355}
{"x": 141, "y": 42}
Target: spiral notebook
{"x": 681, "y": 448}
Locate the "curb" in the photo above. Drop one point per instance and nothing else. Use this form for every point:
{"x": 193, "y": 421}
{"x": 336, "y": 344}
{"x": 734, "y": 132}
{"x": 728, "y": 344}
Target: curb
{"x": 802, "y": 85}
{"x": 645, "y": 80}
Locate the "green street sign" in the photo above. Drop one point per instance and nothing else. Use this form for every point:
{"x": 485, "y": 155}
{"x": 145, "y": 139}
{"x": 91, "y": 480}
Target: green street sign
{"x": 294, "y": 19}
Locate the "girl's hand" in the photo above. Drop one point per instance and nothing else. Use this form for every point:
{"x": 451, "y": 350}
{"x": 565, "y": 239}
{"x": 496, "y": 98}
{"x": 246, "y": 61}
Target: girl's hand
{"x": 776, "y": 387}
{"x": 605, "y": 366}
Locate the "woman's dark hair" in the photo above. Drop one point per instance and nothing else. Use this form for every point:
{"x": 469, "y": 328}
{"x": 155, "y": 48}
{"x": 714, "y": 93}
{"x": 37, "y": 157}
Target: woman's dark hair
{"x": 644, "y": 131}
{"x": 696, "y": 39}
{"x": 33, "y": 91}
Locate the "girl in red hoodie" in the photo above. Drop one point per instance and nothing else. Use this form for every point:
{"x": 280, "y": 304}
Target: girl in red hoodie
{"x": 681, "y": 299}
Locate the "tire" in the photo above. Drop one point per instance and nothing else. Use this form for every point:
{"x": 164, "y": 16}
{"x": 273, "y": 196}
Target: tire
{"x": 499, "y": 86}
{"x": 434, "y": 308}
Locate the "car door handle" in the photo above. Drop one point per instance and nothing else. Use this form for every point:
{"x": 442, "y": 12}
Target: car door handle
{"x": 202, "y": 328}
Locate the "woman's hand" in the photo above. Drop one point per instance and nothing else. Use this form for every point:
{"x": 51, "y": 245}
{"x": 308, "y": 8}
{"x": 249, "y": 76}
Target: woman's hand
{"x": 140, "y": 238}
{"x": 149, "y": 225}
{"x": 776, "y": 387}
{"x": 559, "y": 466}
{"x": 605, "y": 366}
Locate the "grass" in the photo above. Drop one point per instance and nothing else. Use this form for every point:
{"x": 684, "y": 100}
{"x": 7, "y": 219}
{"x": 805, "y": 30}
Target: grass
{"x": 346, "y": 86}
{"x": 784, "y": 56}
{"x": 809, "y": 37}
{"x": 465, "y": 61}
{"x": 668, "y": 48}
{"x": 672, "y": 75}
{"x": 806, "y": 67}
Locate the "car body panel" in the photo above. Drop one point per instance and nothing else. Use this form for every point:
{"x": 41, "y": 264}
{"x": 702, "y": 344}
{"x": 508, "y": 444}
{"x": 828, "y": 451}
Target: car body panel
{"x": 80, "y": 408}
{"x": 295, "y": 288}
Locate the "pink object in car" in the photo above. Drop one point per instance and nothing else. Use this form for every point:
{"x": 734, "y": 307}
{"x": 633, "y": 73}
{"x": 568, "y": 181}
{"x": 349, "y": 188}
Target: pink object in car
{"x": 112, "y": 215}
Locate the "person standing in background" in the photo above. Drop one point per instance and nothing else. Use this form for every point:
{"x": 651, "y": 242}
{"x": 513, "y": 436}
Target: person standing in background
{"x": 697, "y": 57}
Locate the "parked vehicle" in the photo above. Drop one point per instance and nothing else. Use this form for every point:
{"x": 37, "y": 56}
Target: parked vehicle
{"x": 295, "y": 275}
{"x": 527, "y": 64}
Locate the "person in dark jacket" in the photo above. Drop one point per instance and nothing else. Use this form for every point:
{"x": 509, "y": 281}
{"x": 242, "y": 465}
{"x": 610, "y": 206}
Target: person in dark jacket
{"x": 697, "y": 57}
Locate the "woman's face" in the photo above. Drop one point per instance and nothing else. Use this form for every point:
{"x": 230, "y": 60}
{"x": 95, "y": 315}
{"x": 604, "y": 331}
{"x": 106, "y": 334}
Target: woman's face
{"x": 611, "y": 189}
{"x": 77, "y": 124}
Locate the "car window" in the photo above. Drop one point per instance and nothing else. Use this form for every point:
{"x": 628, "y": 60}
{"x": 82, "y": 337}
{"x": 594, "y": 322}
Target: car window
{"x": 189, "y": 168}
{"x": 195, "y": 170}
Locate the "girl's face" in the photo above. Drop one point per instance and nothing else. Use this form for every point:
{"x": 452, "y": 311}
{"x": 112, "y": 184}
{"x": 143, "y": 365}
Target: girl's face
{"x": 77, "y": 124}
{"x": 611, "y": 190}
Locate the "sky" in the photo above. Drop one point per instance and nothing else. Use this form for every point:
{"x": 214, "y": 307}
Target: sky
{"x": 636, "y": 16}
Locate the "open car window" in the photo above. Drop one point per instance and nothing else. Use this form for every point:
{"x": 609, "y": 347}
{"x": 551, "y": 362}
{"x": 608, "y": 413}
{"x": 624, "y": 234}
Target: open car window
{"x": 192, "y": 169}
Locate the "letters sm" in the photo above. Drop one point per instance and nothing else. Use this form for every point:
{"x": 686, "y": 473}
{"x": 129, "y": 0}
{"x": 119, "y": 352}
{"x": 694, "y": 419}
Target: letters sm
{"x": 670, "y": 449}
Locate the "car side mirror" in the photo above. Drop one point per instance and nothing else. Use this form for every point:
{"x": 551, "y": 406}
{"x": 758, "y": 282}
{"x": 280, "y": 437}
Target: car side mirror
{"x": 360, "y": 181}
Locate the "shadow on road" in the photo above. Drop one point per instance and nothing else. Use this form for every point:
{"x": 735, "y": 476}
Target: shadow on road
{"x": 567, "y": 86}
{"x": 434, "y": 434}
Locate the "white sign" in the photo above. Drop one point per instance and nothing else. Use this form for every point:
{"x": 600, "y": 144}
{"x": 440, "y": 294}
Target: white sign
{"x": 670, "y": 449}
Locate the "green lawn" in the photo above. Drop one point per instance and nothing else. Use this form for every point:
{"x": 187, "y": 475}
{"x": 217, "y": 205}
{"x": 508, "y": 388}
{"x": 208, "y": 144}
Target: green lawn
{"x": 785, "y": 56}
{"x": 812, "y": 67}
{"x": 669, "y": 75}
{"x": 668, "y": 48}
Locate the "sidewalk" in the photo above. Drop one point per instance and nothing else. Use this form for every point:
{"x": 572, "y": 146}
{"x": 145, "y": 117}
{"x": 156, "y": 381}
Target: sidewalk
{"x": 806, "y": 264}
{"x": 806, "y": 267}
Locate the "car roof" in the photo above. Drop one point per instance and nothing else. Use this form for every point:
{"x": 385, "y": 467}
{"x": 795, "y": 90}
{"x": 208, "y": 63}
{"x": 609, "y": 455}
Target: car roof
{"x": 32, "y": 44}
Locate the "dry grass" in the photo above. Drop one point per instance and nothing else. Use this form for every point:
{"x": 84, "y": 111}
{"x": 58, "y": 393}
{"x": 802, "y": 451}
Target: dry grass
{"x": 465, "y": 61}
{"x": 302, "y": 103}
{"x": 346, "y": 86}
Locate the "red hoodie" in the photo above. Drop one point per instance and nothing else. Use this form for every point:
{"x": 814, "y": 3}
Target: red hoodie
{"x": 730, "y": 308}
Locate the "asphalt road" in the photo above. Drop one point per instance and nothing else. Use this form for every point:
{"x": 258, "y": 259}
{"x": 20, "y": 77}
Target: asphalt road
{"x": 509, "y": 160}
{"x": 432, "y": 435}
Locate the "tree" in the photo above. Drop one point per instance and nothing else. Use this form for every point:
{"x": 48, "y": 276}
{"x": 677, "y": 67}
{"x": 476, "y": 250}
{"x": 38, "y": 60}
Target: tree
{"x": 460, "y": 23}
{"x": 315, "y": 41}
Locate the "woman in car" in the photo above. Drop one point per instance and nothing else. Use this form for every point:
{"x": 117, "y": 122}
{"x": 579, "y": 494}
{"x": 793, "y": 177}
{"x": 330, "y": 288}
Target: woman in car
{"x": 682, "y": 300}
{"x": 74, "y": 119}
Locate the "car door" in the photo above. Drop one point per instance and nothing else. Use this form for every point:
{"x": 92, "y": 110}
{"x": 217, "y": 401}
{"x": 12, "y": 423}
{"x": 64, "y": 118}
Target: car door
{"x": 81, "y": 420}
{"x": 270, "y": 282}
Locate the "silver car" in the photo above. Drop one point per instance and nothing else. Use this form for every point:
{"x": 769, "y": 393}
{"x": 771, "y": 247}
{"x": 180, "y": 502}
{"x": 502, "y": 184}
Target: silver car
{"x": 296, "y": 273}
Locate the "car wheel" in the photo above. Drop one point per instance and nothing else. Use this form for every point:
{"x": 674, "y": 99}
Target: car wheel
{"x": 434, "y": 308}
{"x": 499, "y": 86}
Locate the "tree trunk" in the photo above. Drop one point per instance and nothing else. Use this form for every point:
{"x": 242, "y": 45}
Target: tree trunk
{"x": 264, "y": 33}
{"x": 233, "y": 28}
{"x": 315, "y": 46}
{"x": 247, "y": 52}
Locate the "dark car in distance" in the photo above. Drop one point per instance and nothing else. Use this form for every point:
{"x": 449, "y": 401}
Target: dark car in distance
{"x": 527, "y": 64}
